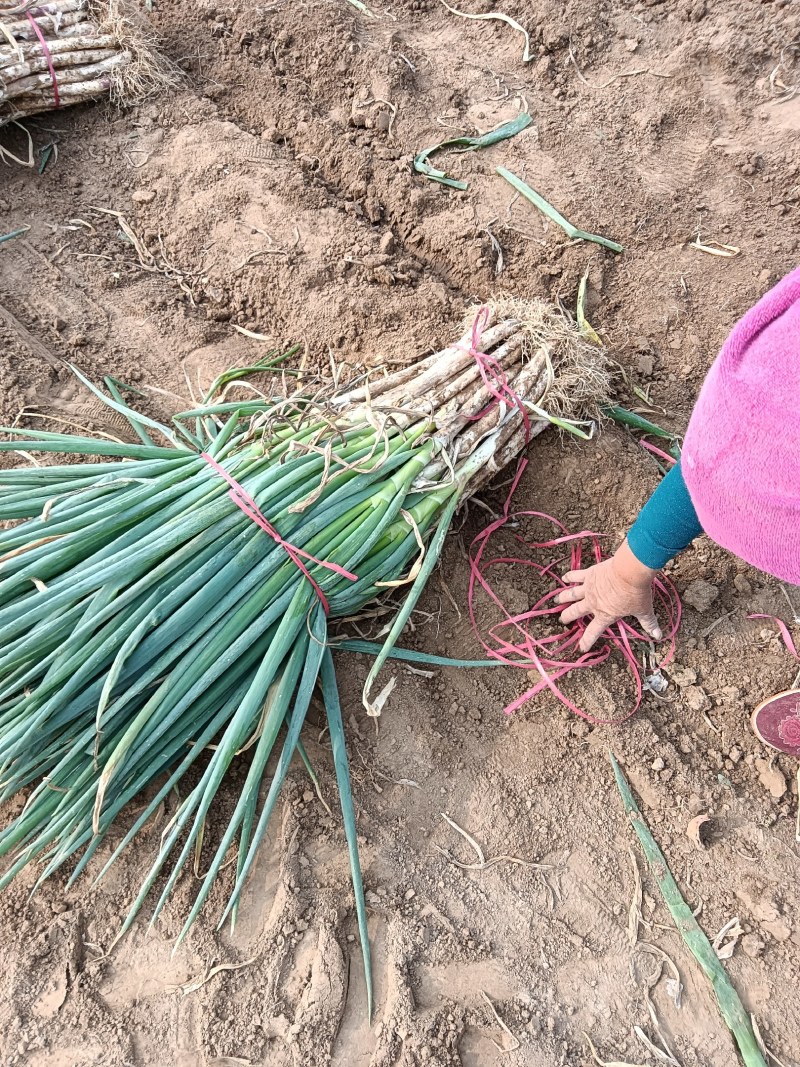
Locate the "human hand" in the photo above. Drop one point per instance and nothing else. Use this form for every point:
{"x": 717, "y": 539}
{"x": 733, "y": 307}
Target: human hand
{"x": 608, "y": 591}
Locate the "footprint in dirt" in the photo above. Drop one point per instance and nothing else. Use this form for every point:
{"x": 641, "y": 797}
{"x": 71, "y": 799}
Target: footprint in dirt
{"x": 43, "y": 977}
{"x": 79, "y": 411}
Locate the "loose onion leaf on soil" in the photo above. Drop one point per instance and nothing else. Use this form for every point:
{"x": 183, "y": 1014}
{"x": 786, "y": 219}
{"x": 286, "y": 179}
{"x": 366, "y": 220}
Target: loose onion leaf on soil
{"x": 636, "y": 422}
{"x": 694, "y": 938}
{"x": 422, "y": 164}
{"x": 555, "y": 216}
{"x": 362, "y": 8}
{"x": 580, "y": 312}
{"x": 14, "y": 233}
{"x": 632, "y": 421}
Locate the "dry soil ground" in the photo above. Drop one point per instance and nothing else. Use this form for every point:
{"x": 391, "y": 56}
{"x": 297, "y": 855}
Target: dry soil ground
{"x": 275, "y": 193}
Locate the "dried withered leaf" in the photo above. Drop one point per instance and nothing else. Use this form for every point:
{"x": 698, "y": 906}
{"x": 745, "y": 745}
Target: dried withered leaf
{"x": 693, "y": 831}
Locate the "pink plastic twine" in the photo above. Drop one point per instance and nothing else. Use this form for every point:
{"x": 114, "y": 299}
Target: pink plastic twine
{"x": 48, "y": 57}
{"x": 784, "y": 632}
{"x": 510, "y": 641}
{"x": 659, "y": 452}
{"x": 556, "y": 655}
{"x": 493, "y": 375}
{"x": 243, "y": 500}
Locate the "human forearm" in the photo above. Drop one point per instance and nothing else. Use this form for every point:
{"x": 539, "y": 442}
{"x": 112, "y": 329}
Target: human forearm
{"x": 666, "y": 524}
{"x": 623, "y": 585}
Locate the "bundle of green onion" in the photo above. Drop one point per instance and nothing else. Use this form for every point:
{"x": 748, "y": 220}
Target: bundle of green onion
{"x": 149, "y": 625}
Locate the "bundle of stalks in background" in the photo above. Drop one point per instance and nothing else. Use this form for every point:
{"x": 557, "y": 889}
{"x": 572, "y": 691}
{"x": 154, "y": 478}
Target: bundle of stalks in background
{"x": 164, "y": 606}
{"x": 64, "y": 52}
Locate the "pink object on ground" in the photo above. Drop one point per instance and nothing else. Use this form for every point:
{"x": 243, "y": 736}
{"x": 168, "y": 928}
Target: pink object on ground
{"x": 741, "y": 456}
{"x": 776, "y": 722}
{"x": 553, "y": 655}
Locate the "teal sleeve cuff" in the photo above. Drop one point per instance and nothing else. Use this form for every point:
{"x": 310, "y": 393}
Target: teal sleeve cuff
{"x": 666, "y": 524}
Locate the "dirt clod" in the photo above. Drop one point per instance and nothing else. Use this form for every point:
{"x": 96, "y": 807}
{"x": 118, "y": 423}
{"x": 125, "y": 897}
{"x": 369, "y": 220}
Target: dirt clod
{"x": 772, "y": 778}
{"x": 696, "y": 698}
{"x": 752, "y": 946}
{"x": 701, "y": 594}
{"x": 683, "y": 676}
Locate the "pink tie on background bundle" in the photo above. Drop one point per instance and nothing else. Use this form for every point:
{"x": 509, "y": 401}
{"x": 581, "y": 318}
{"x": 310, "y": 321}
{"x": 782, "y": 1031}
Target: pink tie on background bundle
{"x": 741, "y": 456}
{"x": 47, "y": 55}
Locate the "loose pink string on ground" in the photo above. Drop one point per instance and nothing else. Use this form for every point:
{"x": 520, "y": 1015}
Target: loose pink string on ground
{"x": 659, "y": 452}
{"x": 553, "y": 655}
{"x": 243, "y": 500}
{"x": 784, "y": 632}
{"x": 48, "y": 58}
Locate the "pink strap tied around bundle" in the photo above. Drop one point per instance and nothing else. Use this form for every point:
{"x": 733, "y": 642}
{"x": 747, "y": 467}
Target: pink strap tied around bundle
{"x": 245, "y": 502}
{"x": 552, "y": 655}
{"x": 493, "y": 375}
{"x": 48, "y": 57}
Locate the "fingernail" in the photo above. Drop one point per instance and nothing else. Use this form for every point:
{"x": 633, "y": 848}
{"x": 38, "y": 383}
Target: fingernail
{"x": 657, "y": 635}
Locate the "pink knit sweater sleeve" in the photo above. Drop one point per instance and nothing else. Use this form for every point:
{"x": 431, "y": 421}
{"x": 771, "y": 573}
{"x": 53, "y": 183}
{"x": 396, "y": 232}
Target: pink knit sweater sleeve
{"x": 741, "y": 456}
